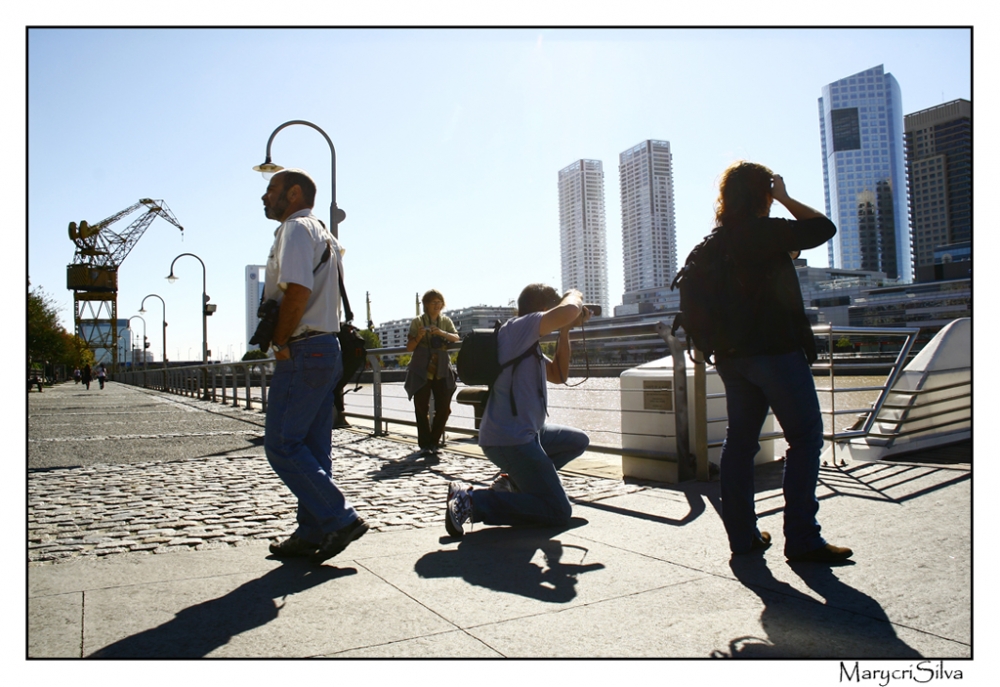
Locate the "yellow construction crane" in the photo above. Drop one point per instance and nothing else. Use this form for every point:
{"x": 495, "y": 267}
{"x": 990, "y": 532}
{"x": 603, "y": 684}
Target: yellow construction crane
{"x": 93, "y": 275}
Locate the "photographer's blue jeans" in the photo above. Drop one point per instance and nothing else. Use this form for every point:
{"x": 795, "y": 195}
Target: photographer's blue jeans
{"x": 785, "y": 384}
{"x": 540, "y": 498}
{"x": 297, "y": 434}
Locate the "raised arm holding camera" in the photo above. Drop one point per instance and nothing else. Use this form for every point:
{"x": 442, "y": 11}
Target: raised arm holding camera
{"x": 513, "y": 433}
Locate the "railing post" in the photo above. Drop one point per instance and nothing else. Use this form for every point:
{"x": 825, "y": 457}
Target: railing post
{"x": 686, "y": 468}
{"x": 700, "y": 418}
{"x": 376, "y": 394}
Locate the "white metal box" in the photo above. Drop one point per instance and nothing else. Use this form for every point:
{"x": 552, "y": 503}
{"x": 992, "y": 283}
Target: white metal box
{"x": 649, "y": 425}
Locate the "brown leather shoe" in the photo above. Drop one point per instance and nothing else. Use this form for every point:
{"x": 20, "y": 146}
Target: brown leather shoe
{"x": 758, "y": 544}
{"x": 293, "y": 547}
{"x": 824, "y": 554}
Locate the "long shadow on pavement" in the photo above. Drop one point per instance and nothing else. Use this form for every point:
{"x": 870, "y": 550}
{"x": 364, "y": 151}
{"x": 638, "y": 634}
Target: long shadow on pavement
{"x": 849, "y": 624}
{"x": 504, "y": 559}
{"x": 197, "y": 630}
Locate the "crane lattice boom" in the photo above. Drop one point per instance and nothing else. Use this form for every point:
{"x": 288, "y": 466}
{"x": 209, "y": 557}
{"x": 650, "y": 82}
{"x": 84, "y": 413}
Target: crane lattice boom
{"x": 99, "y": 246}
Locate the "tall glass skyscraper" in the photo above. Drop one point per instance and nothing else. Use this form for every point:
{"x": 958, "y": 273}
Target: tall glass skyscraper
{"x": 582, "y": 231}
{"x": 649, "y": 239}
{"x": 939, "y": 169}
{"x": 861, "y": 127}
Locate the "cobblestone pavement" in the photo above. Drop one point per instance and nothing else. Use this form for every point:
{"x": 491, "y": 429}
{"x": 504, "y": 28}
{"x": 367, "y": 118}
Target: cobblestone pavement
{"x": 216, "y": 501}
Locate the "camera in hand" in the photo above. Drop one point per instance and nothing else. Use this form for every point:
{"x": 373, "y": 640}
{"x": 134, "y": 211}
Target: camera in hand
{"x": 268, "y": 314}
{"x": 595, "y": 310}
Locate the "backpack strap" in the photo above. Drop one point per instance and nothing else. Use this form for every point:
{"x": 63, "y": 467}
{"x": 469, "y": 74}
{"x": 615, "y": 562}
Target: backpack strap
{"x": 534, "y": 349}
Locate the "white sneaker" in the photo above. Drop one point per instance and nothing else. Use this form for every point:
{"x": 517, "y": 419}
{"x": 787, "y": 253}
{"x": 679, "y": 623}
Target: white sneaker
{"x": 458, "y": 508}
{"x": 503, "y": 482}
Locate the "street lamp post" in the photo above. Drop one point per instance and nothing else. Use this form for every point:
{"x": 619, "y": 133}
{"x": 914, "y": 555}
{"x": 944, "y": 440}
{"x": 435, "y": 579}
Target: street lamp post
{"x": 143, "y": 340}
{"x": 267, "y": 168}
{"x": 142, "y": 309}
{"x": 206, "y": 308}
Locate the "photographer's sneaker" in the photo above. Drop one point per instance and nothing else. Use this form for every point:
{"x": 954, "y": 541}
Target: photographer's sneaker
{"x": 503, "y": 482}
{"x": 458, "y": 508}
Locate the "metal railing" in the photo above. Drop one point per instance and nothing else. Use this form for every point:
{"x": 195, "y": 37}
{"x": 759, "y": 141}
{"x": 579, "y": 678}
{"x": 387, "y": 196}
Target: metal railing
{"x": 246, "y": 383}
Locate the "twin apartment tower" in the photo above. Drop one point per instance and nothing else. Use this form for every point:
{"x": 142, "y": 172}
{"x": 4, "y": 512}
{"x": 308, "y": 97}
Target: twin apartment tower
{"x": 649, "y": 244}
{"x": 898, "y": 189}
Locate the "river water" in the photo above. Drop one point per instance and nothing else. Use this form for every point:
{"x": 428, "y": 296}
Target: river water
{"x": 595, "y": 405}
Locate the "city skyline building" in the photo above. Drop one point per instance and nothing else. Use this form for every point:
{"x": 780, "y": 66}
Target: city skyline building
{"x": 649, "y": 236}
{"x": 583, "y": 231}
{"x": 861, "y": 131}
{"x": 938, "y": 146}
{"x": 254, "y": 294}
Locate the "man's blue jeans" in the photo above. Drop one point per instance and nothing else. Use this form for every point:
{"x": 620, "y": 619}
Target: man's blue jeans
{"x": 540, "y": 498}
{"x": 297, "y": 434}
{"x": 785, "y": 384}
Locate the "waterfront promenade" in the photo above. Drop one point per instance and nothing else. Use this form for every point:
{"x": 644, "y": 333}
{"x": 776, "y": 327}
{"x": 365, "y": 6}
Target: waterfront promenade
{"x": 149, "y": 517}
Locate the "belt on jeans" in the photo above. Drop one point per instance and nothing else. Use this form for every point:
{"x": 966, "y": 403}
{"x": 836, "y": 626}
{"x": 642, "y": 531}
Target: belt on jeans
{"x": 307, "y": 335}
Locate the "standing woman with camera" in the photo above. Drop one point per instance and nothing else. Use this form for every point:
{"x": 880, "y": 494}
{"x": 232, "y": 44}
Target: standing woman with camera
{"x": 767, "y": 366}
{"x": 430, "y": 370}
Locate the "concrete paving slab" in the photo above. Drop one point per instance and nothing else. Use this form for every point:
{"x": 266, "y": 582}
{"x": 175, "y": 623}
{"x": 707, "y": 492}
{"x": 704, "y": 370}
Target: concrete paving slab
{"x": 55, "y": 626}
{"x": 115, "y": 572}
{"x": 708, "y": 617}
{"x": 493, "y": 573}
{"x": 919, "y": 572}
{"x": 455, "y": 644}
{"x": 295, "y": 610}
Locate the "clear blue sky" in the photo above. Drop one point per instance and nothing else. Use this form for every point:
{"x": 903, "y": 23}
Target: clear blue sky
{"x": 448, "y": 144}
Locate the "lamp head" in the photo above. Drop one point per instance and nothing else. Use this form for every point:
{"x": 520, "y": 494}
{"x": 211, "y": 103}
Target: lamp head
{"x": 267, "y": 169}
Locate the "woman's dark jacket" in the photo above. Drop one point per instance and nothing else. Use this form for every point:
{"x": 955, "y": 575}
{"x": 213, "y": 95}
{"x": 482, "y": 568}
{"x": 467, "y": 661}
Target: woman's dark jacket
{"x": 767, "y": 306}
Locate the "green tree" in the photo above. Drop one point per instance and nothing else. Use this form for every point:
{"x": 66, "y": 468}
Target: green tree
{"x": 371, "y": 339}
{"x": 255, "y": 354}
{"x": 46, "y": 338}
{"x": 78, "y": 353}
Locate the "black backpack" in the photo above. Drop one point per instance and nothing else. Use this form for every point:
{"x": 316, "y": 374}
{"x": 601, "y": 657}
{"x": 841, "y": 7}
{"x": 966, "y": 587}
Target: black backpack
{"x": 479, "y": 362}
{"x": 710, "y": 311}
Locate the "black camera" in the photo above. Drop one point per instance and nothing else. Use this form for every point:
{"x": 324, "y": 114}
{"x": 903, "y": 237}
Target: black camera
{"x": 595, "y": 310}
{"x": 268, "y": 314}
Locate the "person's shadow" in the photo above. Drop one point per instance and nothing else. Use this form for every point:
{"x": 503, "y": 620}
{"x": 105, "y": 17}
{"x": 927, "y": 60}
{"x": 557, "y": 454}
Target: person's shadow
{"x": 504, "y": 559}
{"x": 197, "y": 630}
{"x": 850, "y": 623}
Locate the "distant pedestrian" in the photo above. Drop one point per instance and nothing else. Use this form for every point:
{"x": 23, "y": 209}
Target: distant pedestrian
{"x": 768, "y": 364}
{"x": 102, "y": 375}
{"x": 85, "y": 377}
{"x": 430, "y": 371}
{"x": 76, "y": 376}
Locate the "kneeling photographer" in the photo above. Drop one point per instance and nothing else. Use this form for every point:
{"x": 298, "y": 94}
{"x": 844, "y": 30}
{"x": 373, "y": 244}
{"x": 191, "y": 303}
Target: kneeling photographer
{"x": 513, "y": 433}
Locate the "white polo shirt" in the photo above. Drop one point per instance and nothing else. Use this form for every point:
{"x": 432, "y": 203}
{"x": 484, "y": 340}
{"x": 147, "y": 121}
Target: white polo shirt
{"x": 298, "y": 247}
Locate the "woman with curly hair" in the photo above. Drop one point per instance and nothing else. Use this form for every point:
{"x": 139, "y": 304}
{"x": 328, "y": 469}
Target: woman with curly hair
{"x": 768, "y": 365}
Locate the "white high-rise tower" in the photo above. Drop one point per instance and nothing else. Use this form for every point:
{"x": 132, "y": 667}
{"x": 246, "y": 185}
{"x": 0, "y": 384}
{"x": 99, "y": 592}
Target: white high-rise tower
{"x": 649, "y": 240}
{"x": 582, "y": 231}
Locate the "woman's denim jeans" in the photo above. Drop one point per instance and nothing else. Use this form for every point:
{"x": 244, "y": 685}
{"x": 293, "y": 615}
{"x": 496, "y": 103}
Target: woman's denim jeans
{"x": 785, "y": 384}
{"x": 540, "y": 498}
{"x": 298, "y": 430}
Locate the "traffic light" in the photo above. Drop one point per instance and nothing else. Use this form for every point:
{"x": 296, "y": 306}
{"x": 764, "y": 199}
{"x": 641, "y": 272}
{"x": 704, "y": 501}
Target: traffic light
{"x": 145, "y": 342}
